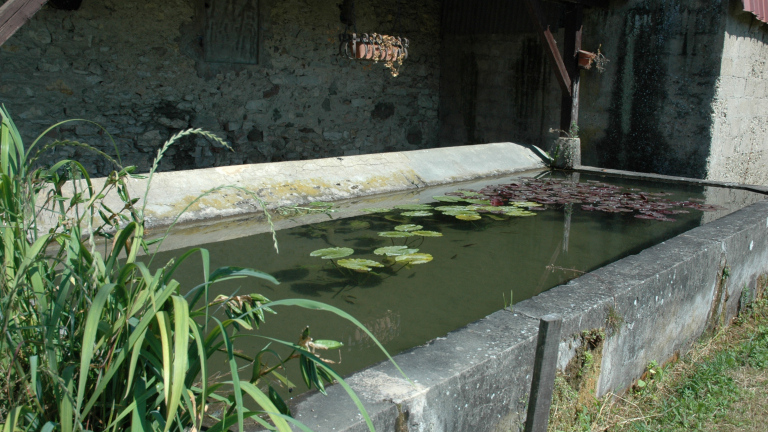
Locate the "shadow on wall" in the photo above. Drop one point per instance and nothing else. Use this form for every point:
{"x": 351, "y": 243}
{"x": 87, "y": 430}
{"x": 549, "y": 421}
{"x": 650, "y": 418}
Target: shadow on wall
{"x": 657, "y": 117}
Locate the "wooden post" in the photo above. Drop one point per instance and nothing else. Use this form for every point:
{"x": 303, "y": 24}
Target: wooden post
{"x": 574, "y": 18}
{"x": 14, "y": 14}
{"x": 544, "y": 369}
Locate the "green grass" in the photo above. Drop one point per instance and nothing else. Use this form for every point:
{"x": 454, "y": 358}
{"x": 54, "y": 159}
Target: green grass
{"x": 708, "y": 389}
{"x": 92, "y": 339}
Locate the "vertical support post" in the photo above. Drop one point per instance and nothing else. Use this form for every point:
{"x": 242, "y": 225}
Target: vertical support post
{"x": 574, "y": 18}
{"x": 544, "y": 370}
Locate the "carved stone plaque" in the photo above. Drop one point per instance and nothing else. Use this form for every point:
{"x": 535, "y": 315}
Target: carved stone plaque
{"x": 232, "y": 31}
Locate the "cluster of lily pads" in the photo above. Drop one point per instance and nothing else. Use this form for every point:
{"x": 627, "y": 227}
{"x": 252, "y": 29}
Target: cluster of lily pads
{"x": 593, "y": 195}
{"x": 394, "y": 254}
{"x": 468, "y": 212}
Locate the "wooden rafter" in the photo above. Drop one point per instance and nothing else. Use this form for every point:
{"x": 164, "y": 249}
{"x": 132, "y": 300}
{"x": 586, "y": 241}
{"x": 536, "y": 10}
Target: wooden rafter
{"x": 14, "y": 14}
{"x": 534, "y": 8}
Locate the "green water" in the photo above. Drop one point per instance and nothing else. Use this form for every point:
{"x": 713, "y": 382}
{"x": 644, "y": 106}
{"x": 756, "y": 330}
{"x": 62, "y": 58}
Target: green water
{"x": 475, "y": 264}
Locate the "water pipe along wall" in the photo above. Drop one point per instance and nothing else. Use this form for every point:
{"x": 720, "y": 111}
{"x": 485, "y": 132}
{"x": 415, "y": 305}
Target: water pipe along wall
{"x": 478, "y": 377}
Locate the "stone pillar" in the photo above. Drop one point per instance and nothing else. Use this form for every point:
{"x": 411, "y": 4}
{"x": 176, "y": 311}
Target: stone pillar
{"x": 566, "y": 153}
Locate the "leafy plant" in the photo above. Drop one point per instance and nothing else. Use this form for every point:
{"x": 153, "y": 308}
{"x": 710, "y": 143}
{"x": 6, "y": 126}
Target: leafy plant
{"x": 93, "y": 339}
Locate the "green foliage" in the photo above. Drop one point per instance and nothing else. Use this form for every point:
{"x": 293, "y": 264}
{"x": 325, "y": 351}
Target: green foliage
{"x": 92, "y": 339}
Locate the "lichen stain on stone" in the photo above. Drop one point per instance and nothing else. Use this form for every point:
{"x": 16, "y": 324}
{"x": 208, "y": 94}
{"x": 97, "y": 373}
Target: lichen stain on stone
{"x": 287, "y": 193}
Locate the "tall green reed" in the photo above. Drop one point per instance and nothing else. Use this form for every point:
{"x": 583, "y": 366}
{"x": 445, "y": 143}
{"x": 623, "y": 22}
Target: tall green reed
{"x": 94, "y": 340}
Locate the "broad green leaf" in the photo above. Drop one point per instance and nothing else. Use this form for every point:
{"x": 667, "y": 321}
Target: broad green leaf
{"x": 377, "y": 210}
{"x": 395, "y": 234}
{"x": 332, "y": 253}
{"x": 427, "y": 233}
{"x": 394, "y": 250}
{"x": 417, "y": 213}
{"x": 417, "y": 258}
{"x": 408, "y": 227}
{"x": 357, "y": 264}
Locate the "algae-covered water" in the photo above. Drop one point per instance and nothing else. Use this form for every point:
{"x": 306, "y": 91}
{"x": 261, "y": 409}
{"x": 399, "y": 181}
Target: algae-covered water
{"x": 475, "y": 264}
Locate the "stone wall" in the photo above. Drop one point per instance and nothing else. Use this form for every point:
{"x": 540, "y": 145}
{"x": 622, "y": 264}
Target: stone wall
{"x": 496, "y": 88}
{"x": 137, "y": 69}
{"x": 651, "y": 111}
{"x": 739, "y": 151}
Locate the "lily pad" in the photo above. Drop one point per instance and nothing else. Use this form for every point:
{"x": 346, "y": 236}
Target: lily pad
{"x": 461, "y": 213}
{"x": 448, "y": 199}
{"x": 470, "y": 193}
{"x": 395, "y": 251}
{"x": 414, "y": 207}
{"x": 377, "y": 210}
{"x": 408, "y": 227}
{"x": 397, "y": 218}
{"x": 479, "y": 201}
{"x": 451, "y": 208}
{"x": 359, "y": 264}
{"x": 416, "y": 258}
{"x": 417, "y": 213}
{"x": 332, "y": 253}
{"x": 427, "y": 233}
{"x": 359, "y": 225}
{"x": 468, "y": 217}
{"x": 524, "y": 204}
{"x": 395, "y": 234}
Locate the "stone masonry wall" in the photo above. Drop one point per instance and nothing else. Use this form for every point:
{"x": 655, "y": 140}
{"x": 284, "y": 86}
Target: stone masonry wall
{"x": 137, "y": 69}
{"x": 497, "y": 88}
{"x": 739, "y": 151}
{"x": 651, "y": 111}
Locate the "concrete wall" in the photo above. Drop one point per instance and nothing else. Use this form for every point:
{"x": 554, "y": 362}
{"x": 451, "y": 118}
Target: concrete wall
{"x": 137, "y": 69}
{"x": 651, "y": 109}
{"x": 739, "y": 150}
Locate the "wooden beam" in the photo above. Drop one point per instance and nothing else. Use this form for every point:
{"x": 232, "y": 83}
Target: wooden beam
{"x": 14, "y": 14}
{"x": 574, "y": 18}
{"x": 534, "y": 8}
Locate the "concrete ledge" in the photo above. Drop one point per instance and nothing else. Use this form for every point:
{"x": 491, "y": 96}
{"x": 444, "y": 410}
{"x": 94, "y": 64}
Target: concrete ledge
{"x": 478, "y": 377}
{"x": 332, "y": 179}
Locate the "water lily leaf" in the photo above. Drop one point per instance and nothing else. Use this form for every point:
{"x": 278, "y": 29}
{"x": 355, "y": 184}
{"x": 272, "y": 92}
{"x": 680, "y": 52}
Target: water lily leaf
{"x": 468, "y": 217}
{"x": 519, "y": 213}
{"x": 377, "y": 210}
{"x": 427, "y": 233}
{"x": 461, "y": 213}
{"x": 448, "y": 199}
{"x": 359, "y": 264}
{"x": 479, "y": 201}
{"x": 395, "y": 234}
{"x": 417, "y": 258}
{"x": 395, "y": 251}
{"x": 408, "y": 227}
{"x": 359, "y": 225}
{"x": 417, "y": 213}
{"x": 451, "y": 208}
{"x": 332, "y": 253}
{"x": 414, "y": 207}
{"x": 524, "y": 204}
{"x": 396, "y": 218}
{"x": 470, "y": 193}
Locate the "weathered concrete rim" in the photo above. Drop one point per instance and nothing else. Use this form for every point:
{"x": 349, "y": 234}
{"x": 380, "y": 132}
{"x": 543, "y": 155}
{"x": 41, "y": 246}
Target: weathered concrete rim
{"x": 669, "y": 295}
{"x": 300, "y": 182}
{"x": 670, "y": 179}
